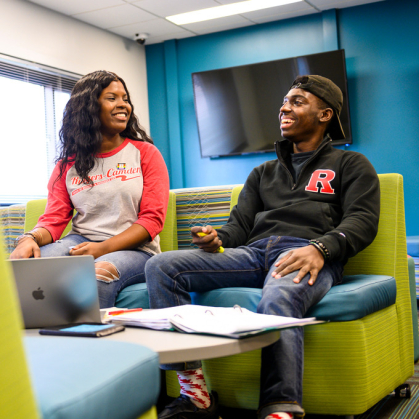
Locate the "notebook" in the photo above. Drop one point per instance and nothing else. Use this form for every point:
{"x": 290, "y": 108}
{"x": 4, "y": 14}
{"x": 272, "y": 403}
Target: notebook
{"x": 233, "y": 322}
{"x": 57, "y": 290}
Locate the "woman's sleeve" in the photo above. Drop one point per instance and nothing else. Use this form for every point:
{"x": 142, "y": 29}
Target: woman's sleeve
{"x": 155, "y": 198}
{"x": 59, "y": 209}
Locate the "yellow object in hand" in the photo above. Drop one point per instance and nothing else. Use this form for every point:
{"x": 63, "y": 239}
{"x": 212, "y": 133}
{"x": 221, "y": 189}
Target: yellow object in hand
{"x": 219, "y": 250}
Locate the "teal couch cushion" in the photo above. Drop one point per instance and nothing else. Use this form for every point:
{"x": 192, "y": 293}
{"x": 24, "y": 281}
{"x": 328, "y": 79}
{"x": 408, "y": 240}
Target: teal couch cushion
{"x": 228, "y": 297}
{"x": 356, "y": 297}
{"x": 92, "y": 378}
{"x": 134, "y": 296}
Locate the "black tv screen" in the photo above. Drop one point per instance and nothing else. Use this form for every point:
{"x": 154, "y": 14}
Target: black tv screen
{"x": 237, "y": 108}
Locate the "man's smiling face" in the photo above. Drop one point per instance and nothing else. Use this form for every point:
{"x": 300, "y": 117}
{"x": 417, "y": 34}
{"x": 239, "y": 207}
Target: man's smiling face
{"x": 300, "y": 116}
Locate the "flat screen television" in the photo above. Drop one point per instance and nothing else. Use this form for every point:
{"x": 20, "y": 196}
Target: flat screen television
{"x": 237, "y": 108}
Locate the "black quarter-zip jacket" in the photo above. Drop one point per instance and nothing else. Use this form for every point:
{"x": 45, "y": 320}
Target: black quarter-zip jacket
{"x": 336, "y": 200}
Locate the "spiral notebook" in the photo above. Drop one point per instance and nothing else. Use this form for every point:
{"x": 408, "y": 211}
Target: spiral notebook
{"x": 234, "y": 322}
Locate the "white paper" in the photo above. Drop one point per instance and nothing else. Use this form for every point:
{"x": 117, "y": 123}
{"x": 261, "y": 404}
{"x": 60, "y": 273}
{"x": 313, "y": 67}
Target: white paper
{"x": 212, "y": 320}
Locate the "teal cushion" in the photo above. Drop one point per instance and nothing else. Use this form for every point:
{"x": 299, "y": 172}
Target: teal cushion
{"x": 356, "y": 297}
{"x": 134, "y": 296}
{"x": 92, "y": 378}
{"x": 228, "y": 297}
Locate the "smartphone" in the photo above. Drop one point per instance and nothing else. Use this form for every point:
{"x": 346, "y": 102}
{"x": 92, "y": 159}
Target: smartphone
{"x": 95, "y": 330}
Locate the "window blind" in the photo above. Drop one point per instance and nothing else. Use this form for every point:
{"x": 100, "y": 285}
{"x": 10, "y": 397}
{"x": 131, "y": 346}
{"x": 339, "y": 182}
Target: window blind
{"x": 31, "y": 119}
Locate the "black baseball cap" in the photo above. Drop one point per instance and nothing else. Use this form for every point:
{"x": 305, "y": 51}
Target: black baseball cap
{"x": 326, "y": 90}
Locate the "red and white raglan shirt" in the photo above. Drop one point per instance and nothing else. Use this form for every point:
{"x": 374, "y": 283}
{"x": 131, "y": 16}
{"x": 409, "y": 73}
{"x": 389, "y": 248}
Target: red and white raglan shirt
{"x": 131, "y": 186}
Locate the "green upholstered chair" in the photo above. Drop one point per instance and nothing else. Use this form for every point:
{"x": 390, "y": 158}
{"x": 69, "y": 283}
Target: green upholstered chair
{"x": 34, "y": 209}
{"x": 70, "y": 378}
{"x": 349, "y": 365}
{"x": 135, "y": 295}
{"x": 17, "y": 399}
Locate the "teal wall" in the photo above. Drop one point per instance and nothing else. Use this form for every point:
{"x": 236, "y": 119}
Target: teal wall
{"x": 382, "y": 57}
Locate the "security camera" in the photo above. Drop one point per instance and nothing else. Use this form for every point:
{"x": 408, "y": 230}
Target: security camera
{"x": 140, "y": 38}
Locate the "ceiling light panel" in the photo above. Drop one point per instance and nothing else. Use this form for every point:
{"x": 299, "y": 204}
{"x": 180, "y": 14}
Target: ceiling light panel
{"x": 226, "y": 10}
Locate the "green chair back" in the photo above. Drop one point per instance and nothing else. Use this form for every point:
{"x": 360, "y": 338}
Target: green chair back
{"x": 168, "y": 236}
{"x": 16, "y": 397}
{"x": 387, "y": 255}
{"x": 34, "y": 209}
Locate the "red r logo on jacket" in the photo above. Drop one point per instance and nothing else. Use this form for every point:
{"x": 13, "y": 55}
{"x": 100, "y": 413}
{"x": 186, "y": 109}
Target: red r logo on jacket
{"x": 322, "y": 177}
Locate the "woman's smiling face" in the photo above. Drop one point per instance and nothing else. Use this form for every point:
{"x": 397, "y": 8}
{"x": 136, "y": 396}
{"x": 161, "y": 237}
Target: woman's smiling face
{"x": 115, "y": 109}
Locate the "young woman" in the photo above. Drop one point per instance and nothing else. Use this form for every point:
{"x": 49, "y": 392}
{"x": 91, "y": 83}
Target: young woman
{"x": 110, "y": 172}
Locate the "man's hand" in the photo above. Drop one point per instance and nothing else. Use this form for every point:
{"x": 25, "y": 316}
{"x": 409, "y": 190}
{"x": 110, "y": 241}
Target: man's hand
{"x": 26, "y": 248}
{"x": 210, "y": 242}
{"x": 305, "y": 259}
{"x": 89, "y": 248}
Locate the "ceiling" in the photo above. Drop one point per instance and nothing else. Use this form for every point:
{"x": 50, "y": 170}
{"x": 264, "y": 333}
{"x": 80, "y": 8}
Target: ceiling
{"x": 130, "y": 17}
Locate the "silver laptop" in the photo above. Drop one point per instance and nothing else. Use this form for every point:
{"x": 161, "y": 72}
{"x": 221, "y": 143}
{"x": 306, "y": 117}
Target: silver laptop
{"x": 57, "y": 290}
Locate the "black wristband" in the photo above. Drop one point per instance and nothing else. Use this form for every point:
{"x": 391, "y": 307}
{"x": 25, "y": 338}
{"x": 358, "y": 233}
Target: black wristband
{"x": 321, "y": 247}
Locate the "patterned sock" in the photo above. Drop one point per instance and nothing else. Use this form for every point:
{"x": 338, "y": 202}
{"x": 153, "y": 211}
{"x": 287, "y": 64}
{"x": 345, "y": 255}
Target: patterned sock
{"x": 280, "y": 415}
{"x": 192, "y": 384}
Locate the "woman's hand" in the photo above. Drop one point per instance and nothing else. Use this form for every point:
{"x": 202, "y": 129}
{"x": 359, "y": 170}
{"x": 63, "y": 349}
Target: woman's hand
{"x": 89, "y": 248}
{"x": 26, "y": 248}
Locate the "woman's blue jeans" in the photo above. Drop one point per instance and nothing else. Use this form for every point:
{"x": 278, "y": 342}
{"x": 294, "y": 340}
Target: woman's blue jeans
{"x": 128, "y": 263}
{"x": 170, "y": 276}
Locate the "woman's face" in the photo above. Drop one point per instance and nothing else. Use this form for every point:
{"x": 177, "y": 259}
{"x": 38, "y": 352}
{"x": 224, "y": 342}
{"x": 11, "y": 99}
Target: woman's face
{"x": 115, "y": 109}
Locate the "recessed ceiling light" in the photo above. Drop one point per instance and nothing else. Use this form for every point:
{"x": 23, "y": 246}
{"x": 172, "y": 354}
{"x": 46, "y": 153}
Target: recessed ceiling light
{"x": 226, "y": 10}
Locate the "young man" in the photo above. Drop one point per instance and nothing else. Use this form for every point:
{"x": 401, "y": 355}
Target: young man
{"x": 298, "y": 220}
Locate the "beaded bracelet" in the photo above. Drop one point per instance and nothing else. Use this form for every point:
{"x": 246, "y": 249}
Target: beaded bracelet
{"x": 321, "y": 247}
{"x": 35, "y": 235}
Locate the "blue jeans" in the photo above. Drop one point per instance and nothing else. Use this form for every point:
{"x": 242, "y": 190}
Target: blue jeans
{"x": 128, "y": 263}
{"x": 171, "y": 276}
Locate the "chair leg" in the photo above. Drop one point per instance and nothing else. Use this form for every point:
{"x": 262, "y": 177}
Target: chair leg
{"x": 402, "y": 392}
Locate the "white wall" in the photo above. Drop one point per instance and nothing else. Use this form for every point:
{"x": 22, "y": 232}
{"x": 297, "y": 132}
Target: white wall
{"x": 33, "y": 33}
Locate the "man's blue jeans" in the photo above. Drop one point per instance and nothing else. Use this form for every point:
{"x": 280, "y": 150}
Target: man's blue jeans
{"x": 170, "y": 276}
{"x": 128, "y": 263}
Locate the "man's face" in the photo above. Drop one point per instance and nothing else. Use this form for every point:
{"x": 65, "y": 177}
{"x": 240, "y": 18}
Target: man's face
{"x": 300, "y": 116}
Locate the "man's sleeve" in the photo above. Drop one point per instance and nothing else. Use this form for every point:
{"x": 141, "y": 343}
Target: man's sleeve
{"x": 59, "y": 209}
{"x": 236, "y": 232}
{"x": 155, "y": 198}
{"x": 360, "y": 199}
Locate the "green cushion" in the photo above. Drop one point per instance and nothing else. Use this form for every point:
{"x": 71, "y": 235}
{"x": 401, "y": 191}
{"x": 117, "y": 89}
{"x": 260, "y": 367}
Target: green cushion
{"x": 92, "y": 378}
{"x": 356, "y": 297}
